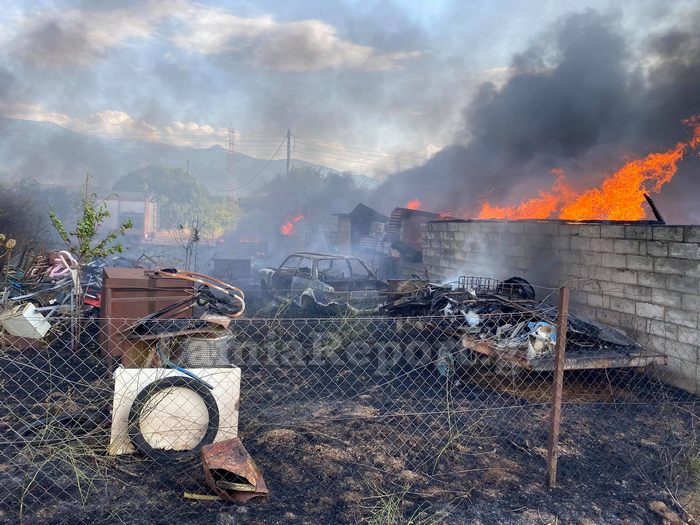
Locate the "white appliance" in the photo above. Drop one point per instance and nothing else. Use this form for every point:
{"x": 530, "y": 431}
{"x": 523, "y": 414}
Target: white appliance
{"x": 179, "y": 419}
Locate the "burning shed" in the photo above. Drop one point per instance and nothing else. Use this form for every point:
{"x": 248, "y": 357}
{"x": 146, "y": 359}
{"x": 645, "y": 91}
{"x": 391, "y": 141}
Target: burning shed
{"x": 361, "y": 229}
{"x": 404, "y": 234}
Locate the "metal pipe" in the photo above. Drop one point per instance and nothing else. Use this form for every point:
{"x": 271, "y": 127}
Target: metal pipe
{"x": 654, "y": 209}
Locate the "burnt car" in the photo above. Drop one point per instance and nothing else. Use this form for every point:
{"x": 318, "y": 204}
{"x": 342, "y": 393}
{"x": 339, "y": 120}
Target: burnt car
{"x": 324, "y": 282}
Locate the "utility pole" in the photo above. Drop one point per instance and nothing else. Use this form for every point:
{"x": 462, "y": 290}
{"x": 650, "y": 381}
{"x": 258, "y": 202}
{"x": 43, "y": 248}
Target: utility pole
{"x": 289, "y": 149}
{"x": 230, "y": 149}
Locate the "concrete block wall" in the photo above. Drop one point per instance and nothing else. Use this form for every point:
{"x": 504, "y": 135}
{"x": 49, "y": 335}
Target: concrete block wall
{"x": 642, "y": 279}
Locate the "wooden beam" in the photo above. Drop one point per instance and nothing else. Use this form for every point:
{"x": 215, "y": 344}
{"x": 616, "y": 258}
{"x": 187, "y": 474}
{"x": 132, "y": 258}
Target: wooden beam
{"x": 557, "y": 388}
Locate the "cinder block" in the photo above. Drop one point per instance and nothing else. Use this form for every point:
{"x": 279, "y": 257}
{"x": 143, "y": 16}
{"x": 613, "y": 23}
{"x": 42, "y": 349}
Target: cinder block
{"x": 524, "y": 263}
{"x": 584, "y": 310}
{"x": 536, "y": 241}
{"x": 683, "y": 351}
{"x": 691, "y": 302}
{"x": 613, "y": 260}
{"x": 601, "y": 274}
{"x": 608, "y": 317}
{"x": 667, "y": 233}
{"x": 626, "y": 246}
{"x": 602, "y": 245}
{"x": 580, "y": 243}
{"x": 678, "y": 373}
{"x": 566, "y": 229}
{"x": 684, "y": 250}
{"x": 637, "y": 293}
{"x": 683, "y": 284}
{"x": 652, "y": 311}
{"x": 665, "y": 297}
{"x": 459, "y": 236}
{"x": 656, "y": 343}
{"x": 598, "y": 300}
{"x": 640, "y": 262}
{"x": 590, "y": 258}
{"x": 655, "y": 280}
{"x": 623, "y": 276}
{"x": 560, "y": 242}
{"x": 692, "y": 268}
{"x": 681, "y": 317}
{"x": 579, "y": 297}
{"x": 548, "y": 228}
{"x": 638, "y": 232}
{"x": 577, "y": 270}
{"x": 656, "y": 248}
{"x": 589, "y": 230}
{"x": 453, "y": 226}
{"x": 612, "y": 230}
{"x": 515, "y": 227}
{"x": 668, "y": 265}
{"x": 626, "y": 325}
{"x": 622, "y": 305}
{"x": 689, "y": 336}
{"x": 691, "y": 233}
{"x": 612, "y": 289}
{"x": 662, "y": 329}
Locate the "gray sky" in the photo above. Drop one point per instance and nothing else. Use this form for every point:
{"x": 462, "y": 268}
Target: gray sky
{"x": 367, "y": 85}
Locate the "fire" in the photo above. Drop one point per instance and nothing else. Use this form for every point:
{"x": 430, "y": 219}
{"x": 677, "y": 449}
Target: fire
{"x": 619, "y": 197}
{"x": 288, "y": 227}
{"x": 413, "y": 204}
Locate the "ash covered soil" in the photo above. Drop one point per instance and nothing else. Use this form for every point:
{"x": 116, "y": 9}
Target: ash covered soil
{"x": 346, "y": 446}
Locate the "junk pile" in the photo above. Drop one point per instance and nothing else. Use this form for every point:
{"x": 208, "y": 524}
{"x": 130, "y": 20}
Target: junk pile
{"x": 39, "y": 291}
{"x": 46, "y": 288}
{"x": 164, "y": 333}
{"x": 504, "y": 321}
{"x": 175, "y": 394}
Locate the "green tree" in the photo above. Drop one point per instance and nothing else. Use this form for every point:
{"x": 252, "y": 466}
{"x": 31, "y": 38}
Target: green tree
{"x": 181, "y": 198}
{"x": 82, "y": 241}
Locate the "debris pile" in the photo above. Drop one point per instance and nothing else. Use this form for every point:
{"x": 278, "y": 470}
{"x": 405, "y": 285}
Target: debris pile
{"x": 505, "y": 321}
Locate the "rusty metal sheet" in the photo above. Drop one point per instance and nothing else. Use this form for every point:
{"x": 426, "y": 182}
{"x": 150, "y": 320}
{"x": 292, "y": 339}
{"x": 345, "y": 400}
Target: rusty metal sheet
{"x": 231, "y": 472}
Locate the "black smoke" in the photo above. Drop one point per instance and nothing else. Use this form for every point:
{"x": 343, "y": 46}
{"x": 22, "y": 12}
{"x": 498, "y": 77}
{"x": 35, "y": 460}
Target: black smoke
{"x": 584, "y": 98}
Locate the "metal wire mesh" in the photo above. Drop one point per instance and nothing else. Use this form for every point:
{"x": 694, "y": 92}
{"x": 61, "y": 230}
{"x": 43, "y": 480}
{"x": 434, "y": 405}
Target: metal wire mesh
{"x": 350, "y": 419}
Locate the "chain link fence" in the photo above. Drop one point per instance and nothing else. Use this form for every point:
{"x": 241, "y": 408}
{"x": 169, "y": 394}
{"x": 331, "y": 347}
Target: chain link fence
{"x": 380, "y": 420}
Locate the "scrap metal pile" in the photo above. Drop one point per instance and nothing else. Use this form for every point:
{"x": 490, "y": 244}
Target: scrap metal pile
{"x": 504, "y": 319}
{"x": 42, "y": 290}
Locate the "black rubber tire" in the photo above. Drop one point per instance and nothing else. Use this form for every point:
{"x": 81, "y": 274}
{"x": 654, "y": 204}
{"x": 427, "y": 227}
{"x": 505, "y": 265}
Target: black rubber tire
{"x": 518, "y": 286}
{"x": 138, "y": 439}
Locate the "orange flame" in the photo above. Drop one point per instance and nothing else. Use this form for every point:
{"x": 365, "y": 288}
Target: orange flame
{"x": 619, "y": 197}
{"x": 288, "y": 227}
{"x": 413, "y": 204}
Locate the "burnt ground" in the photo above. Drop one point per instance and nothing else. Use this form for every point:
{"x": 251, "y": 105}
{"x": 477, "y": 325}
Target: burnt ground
{"x": 340, "y": 445}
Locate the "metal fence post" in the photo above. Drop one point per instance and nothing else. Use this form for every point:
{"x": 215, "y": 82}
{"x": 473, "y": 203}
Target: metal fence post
{"x": 557, "y": 387}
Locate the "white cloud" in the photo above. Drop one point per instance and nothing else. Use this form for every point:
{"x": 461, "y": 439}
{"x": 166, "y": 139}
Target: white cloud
{"x": 306, "y": 45}
{"x": 83, "y": 37}
{"x": 118, "y": 124}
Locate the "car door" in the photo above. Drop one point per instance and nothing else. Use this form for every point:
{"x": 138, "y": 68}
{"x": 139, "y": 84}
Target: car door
{"x": 303, "y": 277}
{"x": 282, "y": 280}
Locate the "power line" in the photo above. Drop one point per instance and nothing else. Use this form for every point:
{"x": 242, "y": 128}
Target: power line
{"x": 284, "y": 139}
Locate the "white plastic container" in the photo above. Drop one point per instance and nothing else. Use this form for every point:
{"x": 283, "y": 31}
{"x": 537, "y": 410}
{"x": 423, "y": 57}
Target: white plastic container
{"x": 24, "y": 321}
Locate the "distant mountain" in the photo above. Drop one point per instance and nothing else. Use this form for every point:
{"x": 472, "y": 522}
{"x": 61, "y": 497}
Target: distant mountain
{"x": 54, "y": 155}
